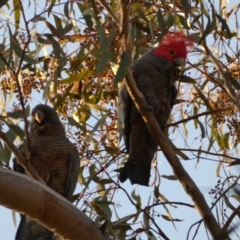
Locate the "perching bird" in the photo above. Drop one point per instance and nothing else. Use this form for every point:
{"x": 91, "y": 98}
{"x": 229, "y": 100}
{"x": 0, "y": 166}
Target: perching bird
{"x": 55, "y": 159}
{"x": 152, "y": 74}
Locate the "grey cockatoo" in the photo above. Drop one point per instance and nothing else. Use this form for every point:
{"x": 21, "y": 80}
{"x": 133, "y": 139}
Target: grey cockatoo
{"x": 55, "y": 159}
{"x": 152, "y": 74}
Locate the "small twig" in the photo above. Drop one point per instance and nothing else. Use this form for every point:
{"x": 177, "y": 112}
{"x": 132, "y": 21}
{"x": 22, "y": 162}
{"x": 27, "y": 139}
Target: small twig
{"x": 199, "y": 115}
{"x": 17, "y": 80}
{"x": 207, "y": 152}
{"x": 25, "y": 163}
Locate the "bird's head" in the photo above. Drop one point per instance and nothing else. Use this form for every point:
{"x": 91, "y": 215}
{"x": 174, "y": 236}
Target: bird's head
{"x": 173, "y": 47}
{"x": 45, "y": 121}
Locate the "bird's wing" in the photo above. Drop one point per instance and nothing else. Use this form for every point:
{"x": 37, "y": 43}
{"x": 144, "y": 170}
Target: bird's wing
{"x": 23, "y": 229}
{"x": 31, "y": 230}
{"x": 124, "y": 108}
{"x": 73, "y": 171}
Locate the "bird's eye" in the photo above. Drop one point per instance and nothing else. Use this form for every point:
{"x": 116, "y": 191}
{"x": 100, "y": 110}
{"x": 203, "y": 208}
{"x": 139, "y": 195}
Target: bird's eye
{"x": 171, "y": 52}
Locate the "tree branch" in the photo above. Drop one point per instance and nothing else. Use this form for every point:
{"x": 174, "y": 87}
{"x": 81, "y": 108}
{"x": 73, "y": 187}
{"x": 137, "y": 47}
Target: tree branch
{"x": 46, "y": 206}
{"x": 229, "y": 221}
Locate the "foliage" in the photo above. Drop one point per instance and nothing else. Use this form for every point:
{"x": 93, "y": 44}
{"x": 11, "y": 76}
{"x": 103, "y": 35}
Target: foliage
{"x": 68, "y": 54}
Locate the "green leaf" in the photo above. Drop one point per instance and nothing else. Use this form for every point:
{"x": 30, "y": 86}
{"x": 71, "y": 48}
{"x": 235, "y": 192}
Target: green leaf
{"x": 58, "y": 23}
{"x": 140, "y": 26}
{"x": 229, "y": 204}
{"x": 213, "y": 25}
{"x": 138, "y": 8}
{"x": 237, "y": 195}
{"x": 105, "y": 181}
{"x": 52, "y": 29}
{"x": 170, "y": 177}
{"x": 66, "y": 9}
{"x": 57, "y": 49}
{"x": 101, "y": 206}
{"x": 104, "y": 59}
{"x": 77, "y": 77}
{"x": 16, "y": 114}
{"x": 72, "y": 122}
{"x": 203, "y": 97}
{"x": 170, "y": 21}
{"x": 168, "y": 218}
{"x": 224, "y": 25}
{"x": 206, "y": 31}
{"x": 17, "y": 130}
{"x": 101, "y": 189}
{"x": 137, "y": 198}
{"x": 226, "y": 140}
{"x": 5, "y": 154}
{"x": 187, "y": 79}
{"x": 156, "y": 191}
{"x": 3, "y": 2}
{"x": 124, "y": 219}
{"x": 51, "y": 6}
{"x": 66, "y": 29}
{"x": 202, "y": 128}
{"x": 96, "y": 107}
{"x": 232, "y": 80}
{"x": 17, "y": 10}
{"x": 87, "y": 14}
{"x": 92, "y": 174}
{"x": 150, "y": 235}
{"x": 161, "y": 23}
{"x": 186, "y": 6}
{"x": 198, "y": 155}
{"x": 219, "y": 166}
{"x": 99, "y": 122}
{"x": 14, "y": 43}
{"x": 81, "y": 178}
{"x": 196, "y": 19}
{"x": 123, "y": 68}
{"x": 11, "y": 135}
{"x": 146, "y": 219}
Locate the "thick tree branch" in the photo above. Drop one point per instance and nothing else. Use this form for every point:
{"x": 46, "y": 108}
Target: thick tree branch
{"x": 188, "y": 184}
{"x": 46, "y": 207}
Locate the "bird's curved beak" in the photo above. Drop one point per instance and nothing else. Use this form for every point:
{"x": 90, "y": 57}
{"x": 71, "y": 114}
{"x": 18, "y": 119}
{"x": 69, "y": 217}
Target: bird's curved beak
{"x": 39, "y": 116}
{"x": 179, "y": 61}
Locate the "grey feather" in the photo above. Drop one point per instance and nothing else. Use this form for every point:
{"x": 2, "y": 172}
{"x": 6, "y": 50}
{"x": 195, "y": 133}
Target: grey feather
{"x": 152, "y": 76}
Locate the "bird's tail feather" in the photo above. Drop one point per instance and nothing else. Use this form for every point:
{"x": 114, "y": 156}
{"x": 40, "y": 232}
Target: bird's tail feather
{"x": 137, "y": 174}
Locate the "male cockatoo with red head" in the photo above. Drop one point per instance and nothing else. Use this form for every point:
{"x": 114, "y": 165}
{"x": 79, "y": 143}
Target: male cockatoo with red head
{"x": 151, "y": 73}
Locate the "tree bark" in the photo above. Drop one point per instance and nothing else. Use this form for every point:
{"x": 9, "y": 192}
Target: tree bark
{"x": 28, "y": 196}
